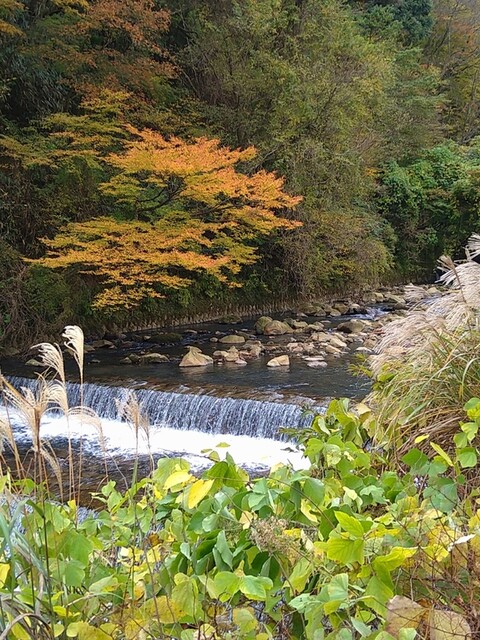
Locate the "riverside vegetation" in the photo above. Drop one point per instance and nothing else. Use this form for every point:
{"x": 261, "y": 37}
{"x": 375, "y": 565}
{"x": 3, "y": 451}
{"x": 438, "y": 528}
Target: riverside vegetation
{"x": 176, "y": 157}
{"x": 374, "y": 540}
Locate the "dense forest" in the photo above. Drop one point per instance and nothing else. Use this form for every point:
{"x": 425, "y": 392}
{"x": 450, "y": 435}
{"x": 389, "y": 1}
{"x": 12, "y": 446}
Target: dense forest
{"x": 169, "y": 155}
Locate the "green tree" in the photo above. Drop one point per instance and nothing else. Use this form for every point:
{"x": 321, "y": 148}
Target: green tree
{"x": 432, "y": 203}
{"x": 324, "y": 104}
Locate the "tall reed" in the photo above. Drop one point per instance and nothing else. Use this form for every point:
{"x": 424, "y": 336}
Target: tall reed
{"x": 427, "y": 365}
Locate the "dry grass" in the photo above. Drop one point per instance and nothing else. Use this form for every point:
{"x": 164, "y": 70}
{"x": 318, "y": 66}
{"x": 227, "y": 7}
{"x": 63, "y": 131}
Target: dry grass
{"x": 29, "y": 407}
{"x": 427, "y": 365}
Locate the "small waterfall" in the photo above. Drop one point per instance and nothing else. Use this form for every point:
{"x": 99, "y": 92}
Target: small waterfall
{"x": 184, "y": 411}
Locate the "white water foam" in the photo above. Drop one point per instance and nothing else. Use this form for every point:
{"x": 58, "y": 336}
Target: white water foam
{"x": 120, "y": 440}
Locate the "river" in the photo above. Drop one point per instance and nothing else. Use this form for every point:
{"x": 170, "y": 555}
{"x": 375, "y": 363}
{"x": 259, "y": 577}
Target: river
{"x": 191, "y": 411}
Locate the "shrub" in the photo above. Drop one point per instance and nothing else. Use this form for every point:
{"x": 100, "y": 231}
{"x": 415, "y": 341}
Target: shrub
{"x": 331, "y": 552}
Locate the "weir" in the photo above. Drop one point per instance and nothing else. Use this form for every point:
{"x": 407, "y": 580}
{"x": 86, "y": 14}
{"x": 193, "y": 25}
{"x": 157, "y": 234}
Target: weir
{"x": 188, "y": 411}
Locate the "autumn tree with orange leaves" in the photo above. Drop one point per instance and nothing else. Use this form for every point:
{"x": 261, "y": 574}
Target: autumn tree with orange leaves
{"x": 184, "y": 208}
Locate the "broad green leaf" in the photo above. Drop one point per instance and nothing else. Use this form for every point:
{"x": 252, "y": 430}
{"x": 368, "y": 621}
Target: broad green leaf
{"x": 472, "y": 407}
{"x": 460, "y": 439}
{"x": 443, "y": 494}
{"x": 337, "y": 588}
{"x": 314, "y": 490}
{"x": 58, "y": 629}
{"x": 377, "y": 594}
{"x": 198, "y": 491}
{"x": 337, "y": 591}
{"x": 300, "y": 574}
{"x": 224, "y": 585}
{"x": 309, "y": 511}
{"x": 84, "y": 631}
{"x": 363, "y": 629}
{"x": 470, "y": 429}
{"x": 104, "y": 585}
{"x": 350, "y": 524}
{"x": 244, "y": 618}
{"x": 467, "y": 457}
{"x": 417, "y": 461}
{"x": 79, "y": 547}
{"x": 185, "y": 596}
{"x": 223, "y": 549}
{"x": 73, "y": 573}
{"x": 255, "y": 588}
{"x": 345, "y": 551}
{"x": 333, "y": 454}
{"x": 4, "y": 569}
{"x": 396, "y": 558}
{"x": 302, "y": 602}
{"x": 165, "y": 609}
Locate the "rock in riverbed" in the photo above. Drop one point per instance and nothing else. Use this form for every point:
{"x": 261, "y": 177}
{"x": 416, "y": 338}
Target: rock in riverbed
{"x": 277, "y": 328}
{"x": 232, "y": 339}
{"x": 279, "y": 361}
{"x": 195, "y": 358}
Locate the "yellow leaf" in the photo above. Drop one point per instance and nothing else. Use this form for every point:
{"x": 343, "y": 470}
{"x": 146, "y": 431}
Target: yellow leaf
{"x": 168, "y": 610}
{"x": 177, "y": 478}
{"x": 85, "y": 631}
{"x": 198, "y": 491}
{"x": 307, "y": 511}
{"x": 443, "y": 454}
{"x": 4, "y": 569}
{"x": 58, "y": 629}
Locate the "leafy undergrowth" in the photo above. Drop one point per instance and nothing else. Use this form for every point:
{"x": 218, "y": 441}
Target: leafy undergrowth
{"x": 298, "y": 554}
{"x": 353, "y": 547}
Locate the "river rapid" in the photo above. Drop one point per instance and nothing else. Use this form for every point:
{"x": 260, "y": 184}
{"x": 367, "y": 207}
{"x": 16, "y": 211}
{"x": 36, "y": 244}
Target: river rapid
{"x": 191, "y": 412}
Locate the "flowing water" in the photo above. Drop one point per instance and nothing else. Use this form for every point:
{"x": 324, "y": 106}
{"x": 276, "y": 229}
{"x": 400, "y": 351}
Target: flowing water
{"x": 232, "y": 409}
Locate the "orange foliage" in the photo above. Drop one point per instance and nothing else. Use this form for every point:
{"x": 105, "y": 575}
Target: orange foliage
{"x": 205, "y": 217}
{"x": 202, "y": 176}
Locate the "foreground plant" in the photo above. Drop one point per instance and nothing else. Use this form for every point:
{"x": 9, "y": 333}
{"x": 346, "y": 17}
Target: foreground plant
{"x": 349, "y": 548}
{"x": 427, "y": 364}
{"x": 297, "y": 554}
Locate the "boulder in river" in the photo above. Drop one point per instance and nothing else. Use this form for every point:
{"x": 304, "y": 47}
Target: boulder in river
{"x": 277, "y": 328}
{"x": 103, "y": 344}
{"x": 352, "y": 326}
{"x": 298, "y": 324}
{"x": 320, "y": 336}
{"x": 315, "y": 326}
{"x": 279, "y": 361}
{"x": 337, "y": 342}
{"x": 232, "y": 339}
{"x": 341, "y": 307}
{"x": 261, "y": 323}
{"x": 231, "y": 355}
{"x": 195, "y": 358}
{"x": 153, "y": 358}
{"x": 333, "y": 351}
{"x": 392, "y": 298}
{"x": 317, "y": 364}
